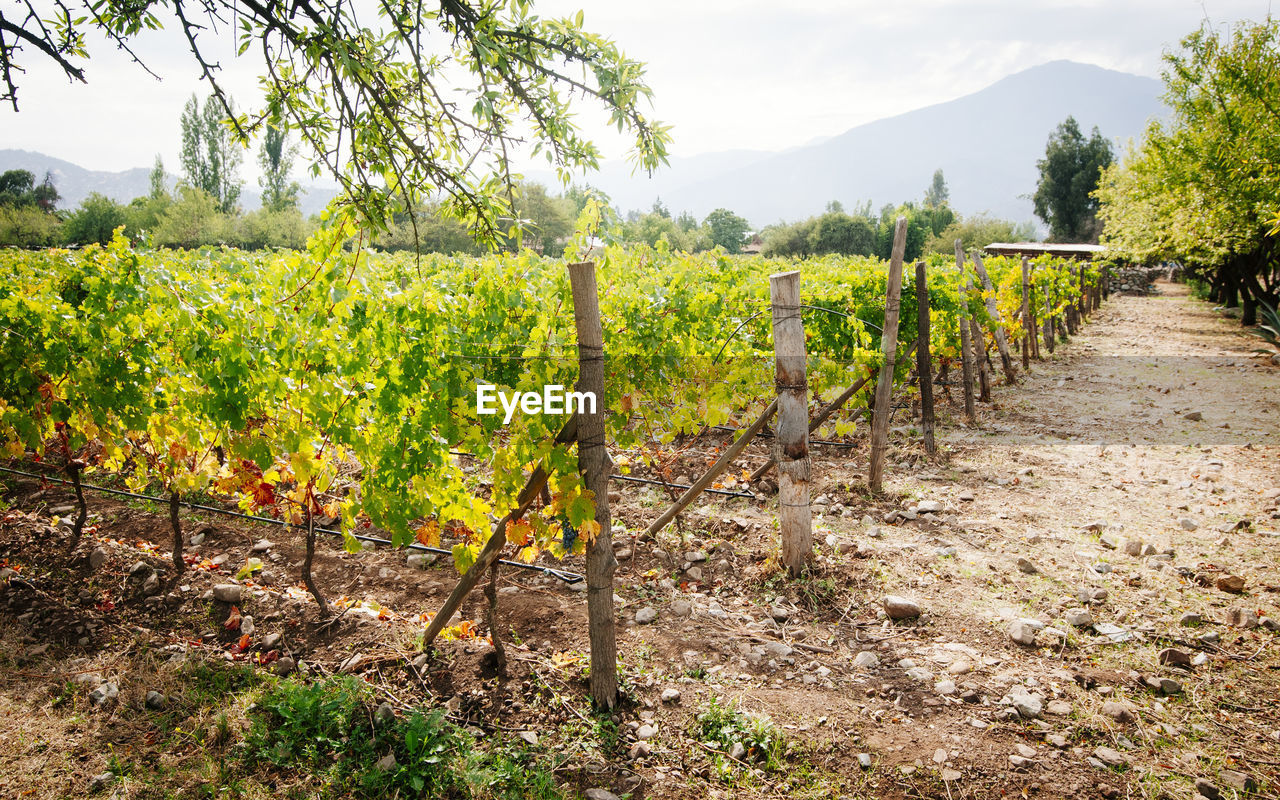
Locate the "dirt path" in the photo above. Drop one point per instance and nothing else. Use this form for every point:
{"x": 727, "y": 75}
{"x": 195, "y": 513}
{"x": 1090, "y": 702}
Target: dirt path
{"x": 1093, "y": 457}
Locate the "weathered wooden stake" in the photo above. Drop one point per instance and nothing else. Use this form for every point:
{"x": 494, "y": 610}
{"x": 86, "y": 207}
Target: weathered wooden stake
{"x": 791, "y": 441}
{"x": 175, "y": 526}
{"x": 889, "y": 350}
{"x": 979, "y": 344}
{"x": 1002, "y": 341}
{"x": 966, "y": 352}
{"x": 924, "y": 367}
{"x": 1027, "y": 332}
{"x": 596, "y": 467}
{"x": 1048, "y": 324}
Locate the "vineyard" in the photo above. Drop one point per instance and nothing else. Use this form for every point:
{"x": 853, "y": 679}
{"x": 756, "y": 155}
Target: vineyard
{"x": 158, "y": 407}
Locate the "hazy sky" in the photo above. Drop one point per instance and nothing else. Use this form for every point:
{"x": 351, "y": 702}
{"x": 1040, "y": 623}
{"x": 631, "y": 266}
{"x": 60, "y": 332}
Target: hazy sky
{"x": 728, "y": 74}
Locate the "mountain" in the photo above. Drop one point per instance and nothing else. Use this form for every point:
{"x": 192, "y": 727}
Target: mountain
{"x": 75, "y": 183}
{"x": 986, "y": 144}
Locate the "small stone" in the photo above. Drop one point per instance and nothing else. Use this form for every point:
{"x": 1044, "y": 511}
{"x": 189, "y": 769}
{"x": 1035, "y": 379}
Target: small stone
{"x": 1208, "y": 790}
{"x": 386, "y": 763}
{"x": 599, "y": 794}
{"x": 951, "y": 775}
{"x": 384, "y": 715}
{"x": 779, "y": 614}
{"x": 228, "y": 593}
{"x": 945, "y": 687}
{"x": 1109, "y": 757}
{"x": 151, "y": 586}
{"x": 1133, "y": 547}
{"x": 670, "y": 695}
{"x": 1025, "y": 750}
{"x": 939, "y": 756}
{"x": 929, "y": 506}
{"x": 420, "y": 560}
{"x": 1023, "y": 631}
{"x": 1173, "y": 657}
{"x": 528, "y": 737}
{"x": 645, "y": 732}
{"x": 1238, "y": 780}
{"x": 262, "y": 545}
{"x": 1113, "y": 633}
{"x": 104, "y": 694}
{"x": 640, "y": 750}
{"x": 1170, "y": 686}
{"x": 1058, "y": 708}
{"x": 866, "y": 660}
{"x": 1019, "y": 762}
{"x": 919, "y": 674}
{"x": 1270, "y": 624}
{"x": 156, "y": 701}
{"x": 1026, "y": 567}
{"x": 1190, "y": 619}
{"x": 352, "y": 664}
{"x": 1027, "y": 705}
{"x": 681, "y": 608}
{"x": 864, "y": 760}
{"x": 694, "y": 574}
{"x": 1242, "y": 618}
{"x": 696, "y": 556}
{"x": 1110, "y": 541}
{"x": 646, "y": 615}
{"x": 960, "y": 666}
{"x": 285, "y": 665}
{"x": 1120, "y": 712}
{"x": 140, "y": 570}
{"x": 1079, "y": 617}
{"x": 899, "y": 608}
{"x": 1231, "y": 583}
{"x": 738, "y": 751}
{"x": 1188, "y": 524}
{"x": 101, "y": 781}
{"x": 1058, "y": 740}
{"x": 1194, "y": 416}
{"x": 97, "y": 558}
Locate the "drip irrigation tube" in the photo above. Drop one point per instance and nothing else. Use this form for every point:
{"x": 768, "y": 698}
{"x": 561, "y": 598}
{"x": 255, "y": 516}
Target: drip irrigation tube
{"x": 564, "y": 575}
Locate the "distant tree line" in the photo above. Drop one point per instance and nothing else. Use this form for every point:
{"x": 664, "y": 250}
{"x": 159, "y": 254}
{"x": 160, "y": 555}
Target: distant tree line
{"x": 932, "y": 227}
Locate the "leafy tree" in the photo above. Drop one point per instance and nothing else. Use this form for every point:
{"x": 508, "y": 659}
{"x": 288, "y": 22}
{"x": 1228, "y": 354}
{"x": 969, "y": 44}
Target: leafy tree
{"x": 276, "y": 159}
{"x": 789, "y": 241}
{"x": 159, "y": 186}
{"x": 937, "y": 195}
{"x": 727, "y": 229}
{"x": 27, "y": 226}
{"x": 837, "y": 232}
{"x": 917, "y": 230}
{"x": 94, "y": 221}
{"x": 367, "y": 89}
{"x": 18, "y": 188}
{"x": 210, "y": 158}
{"x": 548, "y": 220}
{"x": 193, "y": 220}
{"x": 1201, "y": 189}
{"x": 1069, "y": 173}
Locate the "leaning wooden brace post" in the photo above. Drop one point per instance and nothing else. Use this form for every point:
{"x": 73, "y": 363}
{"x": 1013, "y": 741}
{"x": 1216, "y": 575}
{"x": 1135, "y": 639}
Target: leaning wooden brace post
{"x": 1027, "y": 333}
{"x": 924, "y": 367}
{"x": 497, "y": 540}
{"x": 1033, "y": 326}
{"x": 966, "y": 355}
{"x": 1048, "y": 325}
{"x": 889, "y": 351}
{"x": 791, "y": 439}
{"x": 1002, "y": 341}
{"x": 596, "y": 467}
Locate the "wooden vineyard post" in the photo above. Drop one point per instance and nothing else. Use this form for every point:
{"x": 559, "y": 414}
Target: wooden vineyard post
{"x": 979, "y": 344}
{"x": 924, "y": 367}
{"x": 1027, "y": 332}
{"x": 1002, "y": 341}
{"x": 966, "y": 354}
{"x": 1082, "y": 302}
{"x": 889, "y": 350}
{"x": 791, "y": 442}
{"x": 596, "y": 467}
{"x": 1048, "y": 325}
